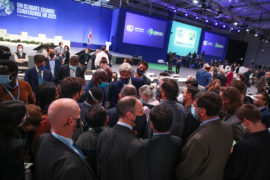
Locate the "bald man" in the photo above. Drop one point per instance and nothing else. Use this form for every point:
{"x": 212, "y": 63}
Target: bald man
{"x": 121, "y": 156}
{"x": 56, "y": 155}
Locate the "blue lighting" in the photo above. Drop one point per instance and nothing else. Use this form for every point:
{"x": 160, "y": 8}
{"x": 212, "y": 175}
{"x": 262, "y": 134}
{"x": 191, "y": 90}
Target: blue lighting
{"x": 206, "y": 20}
{"x": 216, "y": 23}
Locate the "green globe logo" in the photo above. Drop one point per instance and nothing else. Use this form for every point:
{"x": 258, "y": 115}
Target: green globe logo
{"x": 6, "y": 7}
{"x": 150, "y": 32}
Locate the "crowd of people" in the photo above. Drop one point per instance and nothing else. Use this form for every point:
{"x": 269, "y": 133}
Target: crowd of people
{"x": 119, "y": 125}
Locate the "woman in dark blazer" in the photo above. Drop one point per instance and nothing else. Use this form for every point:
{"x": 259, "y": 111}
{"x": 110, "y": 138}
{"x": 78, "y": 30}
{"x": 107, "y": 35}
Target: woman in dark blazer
{"x": 67, "y": 54}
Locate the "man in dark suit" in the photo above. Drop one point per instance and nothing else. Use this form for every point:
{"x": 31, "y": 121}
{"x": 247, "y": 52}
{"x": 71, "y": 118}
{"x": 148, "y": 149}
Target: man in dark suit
{"x": 169, "y": 91}
{"x": 38, "y": 74}
{"x": 141, "y": 123}
{"x": 56, "y": 155}
{"x": 120, "y": 154}
{"x": 250, "y": 158}
{"x": 53, "y": 64}
{"x": 205, "y": 154}
{"x": 70, "y": 70}
{"x": 261, "y": 100}
{"x": 163, "y": 149}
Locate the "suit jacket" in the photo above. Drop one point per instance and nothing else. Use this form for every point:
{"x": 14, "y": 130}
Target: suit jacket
{"x": 238, "y": 130}
{"x": 141, "y": 123}
{"x": 64, "y": 71}
{"x": 56, "y": 67}
{"x": 206, "y": 152}
{"x": 261, "y": 84}
{"x": 250, "y": 159}
{"x": 178, "y": 123}
{"x": 121, "y": 156}
{"x": 265, "y": 116}
{"x": 31, "y": 76}
{"x": 56, "y": 161}
{"x": 162, "y": 153}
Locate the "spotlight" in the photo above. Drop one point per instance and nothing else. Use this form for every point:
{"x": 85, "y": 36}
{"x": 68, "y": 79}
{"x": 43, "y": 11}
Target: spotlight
{"x": 195, "y": 1}
{"x": 247, "y": 30}
{"x": 186, "y": 14}
{"x": 235, "y": 23}
{"x": 206, "y": 20}
{"x": 224, "y": 26}
{"x": 231, "y": 28}
{"x": 196, "y": 17}
{"x": 266, "y": 41}
{"x": 216, "y": 23}
{"x": 255, "y": 34}
{"x": 239, "y": 30}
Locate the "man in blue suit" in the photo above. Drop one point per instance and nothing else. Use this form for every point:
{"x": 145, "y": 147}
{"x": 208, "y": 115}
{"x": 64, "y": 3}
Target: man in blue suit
{"x": 261, "y": 100}
{"x": 38, "y": 74}
{"x": 53, "y": 64}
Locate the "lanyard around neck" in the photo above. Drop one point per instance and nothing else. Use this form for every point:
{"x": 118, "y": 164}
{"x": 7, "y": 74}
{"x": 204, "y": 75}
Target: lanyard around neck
{"x": 18, "y": 96}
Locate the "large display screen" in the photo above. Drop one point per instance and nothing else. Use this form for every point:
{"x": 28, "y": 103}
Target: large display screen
{"x": 213, "y": 44}
{"x": 72, "y": 20}
{"x": 146, "y": 31}
{"x": 184, "y": 38}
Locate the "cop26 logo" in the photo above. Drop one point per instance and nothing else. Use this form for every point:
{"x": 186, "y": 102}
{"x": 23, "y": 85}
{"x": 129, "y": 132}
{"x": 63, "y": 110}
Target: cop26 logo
{"x": 6, "y": 7}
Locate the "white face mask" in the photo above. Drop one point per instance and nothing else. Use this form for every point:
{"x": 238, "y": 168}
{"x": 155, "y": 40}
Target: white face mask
{"x": 20, "y": 50}
{"x": 237, "y": 78}
{"x": 180, "y": 98}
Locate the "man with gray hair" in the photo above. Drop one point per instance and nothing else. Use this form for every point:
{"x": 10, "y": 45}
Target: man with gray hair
{"x": 125, "y": 71}
{"x": 56, "y": 155}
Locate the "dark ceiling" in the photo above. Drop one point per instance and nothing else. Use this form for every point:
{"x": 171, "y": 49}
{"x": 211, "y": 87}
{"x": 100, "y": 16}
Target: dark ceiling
{"x": 252, "y": 16}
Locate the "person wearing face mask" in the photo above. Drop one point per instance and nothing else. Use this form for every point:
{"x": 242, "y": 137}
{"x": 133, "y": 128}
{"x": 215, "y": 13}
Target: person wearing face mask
{"x": 84, "y": 58}
{"x": 206, "y": 151}
{"x": 191, "y": 123}
{"x": 10, "y": 87}
{"x": 57, "y": 150}
{"x": 66, "y": 55}
{"x": 100, "y": 55}
{"x": 125, "y": 71}
{"x": 70, "y": 70}
{"x": 229, "y": 76}
{"x": 11, "y": 147}
{"x": 120, "y": 154}
{"x": 38, "y": 74}
{"x": 142, "y": 67}
{"x": 250, "y": 158}
{"x": 21, "y": 59}
{"x": 53, "y": 64}
{"x": 59, "y": 51}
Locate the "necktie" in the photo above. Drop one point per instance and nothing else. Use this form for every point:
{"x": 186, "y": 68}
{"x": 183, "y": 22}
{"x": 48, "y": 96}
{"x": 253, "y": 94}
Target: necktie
{"x": 40, "y": 79}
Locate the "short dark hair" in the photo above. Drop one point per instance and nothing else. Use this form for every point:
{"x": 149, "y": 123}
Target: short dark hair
{"x": 11, "y": 65}
{"x": 145, "y": 63}
{"x": 161, "y": 117}
{"x": 12, "y": 113}
{"x": 210, "y": 101}
{"x": 125, "y": 105}
{"x": 96, "y": 117}
{"x": 69, "y": 86}
{"x": 193, "y": 83}
{"x": 193, "y": 91}
{"x": 102, "y": 48}
{"x": 66, "y": 47}
{"x": 45, "y": 95}
{"x": 170, "y": 87}
{"x": 129, "y": 60}
{"x": 164, "y": 74}
{"x": 74, "y": 59}
{"x": 39, "y": 59}
{"x": 103, "y": 60}
{"x": 4, "y": 53}
{"x": 128, "y": 90}
{"x": 35, "y": 115}
{"x": 249, "y": 112}
{"x": 97, "y": 93}
{"x": 19, "y": 45}
{"x": 265, "y": 96}
{"x": 239, "y": 85}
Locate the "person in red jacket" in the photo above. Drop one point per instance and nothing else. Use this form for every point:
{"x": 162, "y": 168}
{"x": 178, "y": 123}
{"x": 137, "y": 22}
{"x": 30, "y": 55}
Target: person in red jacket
{"x": 229, "y": 76}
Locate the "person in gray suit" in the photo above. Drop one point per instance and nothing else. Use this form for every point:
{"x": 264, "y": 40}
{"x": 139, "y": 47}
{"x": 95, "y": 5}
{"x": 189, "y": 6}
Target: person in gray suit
{"x": 205, "y": 154}
{"x": 169, "y": 92}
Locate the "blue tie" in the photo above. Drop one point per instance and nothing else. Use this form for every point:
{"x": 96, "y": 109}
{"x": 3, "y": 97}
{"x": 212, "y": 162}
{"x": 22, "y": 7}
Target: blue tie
{"x": 40, "y": 79}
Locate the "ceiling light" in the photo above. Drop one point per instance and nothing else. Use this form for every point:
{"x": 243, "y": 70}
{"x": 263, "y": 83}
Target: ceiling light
{"x": 235, "y": 23}
{"x": 195, "y": 1}
{"x": 206, "y": 20}
{"x": 186, "y": 14}
{"x": 255, "y": 34}
{"x": 247, "y": 30}
{"x": 239, "y": 30}
{"x": 231, "y": 28}
{"x": 216, "y": 23}
{"x": 224, "y": 26}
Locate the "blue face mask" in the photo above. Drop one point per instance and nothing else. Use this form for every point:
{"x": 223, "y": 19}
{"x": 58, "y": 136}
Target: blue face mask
{"x": 41, "y": 68}
{"x": 193, "y": 112}
{"x": 73, "y": 67}
{"x": 4, "y": 79}
{"x": 103, "y": 85}
{"x": 143, "y": 102}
